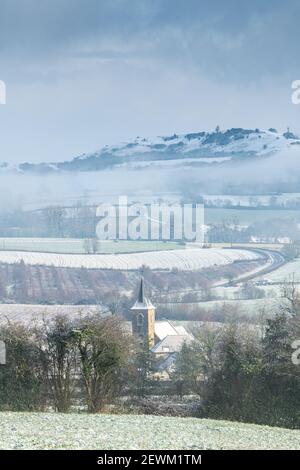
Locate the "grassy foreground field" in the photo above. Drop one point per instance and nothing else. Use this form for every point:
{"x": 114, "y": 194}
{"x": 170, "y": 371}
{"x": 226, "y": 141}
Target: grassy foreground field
{"x": 106, "y": 432}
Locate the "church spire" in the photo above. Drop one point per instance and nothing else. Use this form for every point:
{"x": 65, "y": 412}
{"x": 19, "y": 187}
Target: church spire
{"x": 142, "y": 301}
{"x": 141, "y": 296}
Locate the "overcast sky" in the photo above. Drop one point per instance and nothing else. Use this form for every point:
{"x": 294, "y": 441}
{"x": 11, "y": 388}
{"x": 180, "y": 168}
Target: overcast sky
{"x": 84, "y": 73}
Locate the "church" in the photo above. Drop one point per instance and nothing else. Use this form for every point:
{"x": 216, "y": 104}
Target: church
{"x": 165, "y": 339}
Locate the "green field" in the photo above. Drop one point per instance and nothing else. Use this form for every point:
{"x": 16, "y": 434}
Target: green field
{"x": 248, "y": 216}
{"x": 77, "y": 245}
{"x": 107, "y": 432}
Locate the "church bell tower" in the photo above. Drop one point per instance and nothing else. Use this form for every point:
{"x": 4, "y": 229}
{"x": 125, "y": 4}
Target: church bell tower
{"x": 143, "y": 317}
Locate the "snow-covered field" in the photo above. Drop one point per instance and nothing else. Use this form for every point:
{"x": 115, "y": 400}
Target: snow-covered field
{"x": 112, "y": 432}
{"x": 36, "y": 313}
{"x": 289, "y": 272}
{"x": 249, "y": 307}
{"x": 184, "y": 260}
{"x": 252, "y": 201}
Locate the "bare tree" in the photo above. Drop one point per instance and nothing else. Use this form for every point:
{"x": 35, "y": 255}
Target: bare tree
{"x": 104, "y": 350}
{"x": 58, "y": 346}
{"x": 291, "y": 294}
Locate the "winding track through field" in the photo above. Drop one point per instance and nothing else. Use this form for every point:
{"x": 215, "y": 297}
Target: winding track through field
{"x": 274, "y": 260}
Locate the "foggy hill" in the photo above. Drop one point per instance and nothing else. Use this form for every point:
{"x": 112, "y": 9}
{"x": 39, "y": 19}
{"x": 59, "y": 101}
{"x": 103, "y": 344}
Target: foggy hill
{"x": 187, "y": 150}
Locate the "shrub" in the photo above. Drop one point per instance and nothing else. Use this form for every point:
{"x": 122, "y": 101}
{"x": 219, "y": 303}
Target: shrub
{"x": 22, "y": 385}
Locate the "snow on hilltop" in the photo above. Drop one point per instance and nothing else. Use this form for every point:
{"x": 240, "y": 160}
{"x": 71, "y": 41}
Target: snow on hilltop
{"x": 197, "y": 148}
{"x": 202, "y": 144}
{"x": 184, "y": 260}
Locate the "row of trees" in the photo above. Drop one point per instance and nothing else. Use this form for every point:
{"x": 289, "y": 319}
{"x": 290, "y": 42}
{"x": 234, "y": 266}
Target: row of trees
{"x": 247, "y": 373}
{"x": 64, "y": 363}
{"x": 53, "y": 221}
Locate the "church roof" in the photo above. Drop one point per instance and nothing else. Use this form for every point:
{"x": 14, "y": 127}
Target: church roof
{"x": 166, "y": 328}
{"x": 142, "y": 302}
{"x": 168, "y": 364}
{"x": 163, "y": 329}
{"x": 171, "y": 344}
